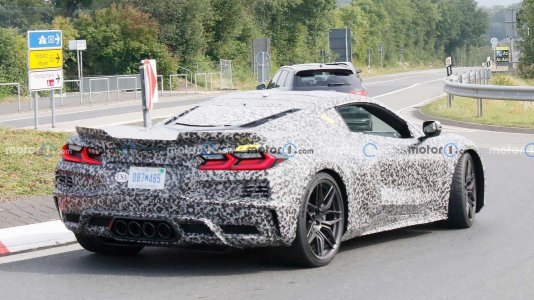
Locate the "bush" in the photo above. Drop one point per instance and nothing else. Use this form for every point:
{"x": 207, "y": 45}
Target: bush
{"x": 526, "y": 71}
{"x": 502, "y": 80}
{"x": 12, "y": 60}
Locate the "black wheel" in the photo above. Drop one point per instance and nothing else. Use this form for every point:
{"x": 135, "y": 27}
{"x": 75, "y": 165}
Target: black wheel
{"x": 96, "y": 245}
{"x": 463, "y": 196}
{"x": 320, "y": 224}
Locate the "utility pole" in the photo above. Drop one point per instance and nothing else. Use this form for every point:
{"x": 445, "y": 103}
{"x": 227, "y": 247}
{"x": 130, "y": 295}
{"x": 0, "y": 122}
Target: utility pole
{"x": 369, "y": 59}
{"x": 401, "y": 50}
{"x": 511, "y": 24}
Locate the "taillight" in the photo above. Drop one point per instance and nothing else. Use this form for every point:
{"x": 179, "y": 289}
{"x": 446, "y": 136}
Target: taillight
{"x": 239, "y": 161}
{"x": 360, "y": 92}
{"x": 84, "y": 155}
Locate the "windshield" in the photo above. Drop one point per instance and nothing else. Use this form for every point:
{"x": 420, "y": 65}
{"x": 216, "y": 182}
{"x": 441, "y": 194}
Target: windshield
{"x": 337, "y": 80}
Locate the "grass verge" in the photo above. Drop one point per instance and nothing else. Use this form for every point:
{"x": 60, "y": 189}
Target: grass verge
{"x": 495, "y": 112}
{"x": 27, "y": 161}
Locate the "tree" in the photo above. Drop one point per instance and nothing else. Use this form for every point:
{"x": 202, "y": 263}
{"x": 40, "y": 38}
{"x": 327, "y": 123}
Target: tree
{"x": 526, "y": 25}
{"x": 13, "y": 57}
{"x": 69, "y": 7}
{"x": 183, "y": 25}
{"x": 23, "y": 14}
{"x": 118, "y": 38}
{"x": 69, "y": 33}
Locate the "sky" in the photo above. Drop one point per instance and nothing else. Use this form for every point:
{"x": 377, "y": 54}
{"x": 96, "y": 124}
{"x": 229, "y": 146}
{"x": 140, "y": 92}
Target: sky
{"x": 497, "y": 2}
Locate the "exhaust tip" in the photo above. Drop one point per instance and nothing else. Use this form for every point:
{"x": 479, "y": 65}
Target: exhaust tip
{"x": 134, "y": 229}
{"x": 121, "y": 228}
{"x": 164, "y": 230}
{"x": 148, "y": 229}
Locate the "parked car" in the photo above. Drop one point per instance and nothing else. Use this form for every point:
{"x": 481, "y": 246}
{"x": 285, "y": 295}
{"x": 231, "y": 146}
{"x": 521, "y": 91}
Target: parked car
{"x": 338, "y": 77}
{"x": 302, "y": 171}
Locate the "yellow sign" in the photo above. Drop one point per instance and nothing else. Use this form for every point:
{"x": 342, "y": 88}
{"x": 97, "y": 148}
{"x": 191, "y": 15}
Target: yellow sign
{"x": 45, "y": 59}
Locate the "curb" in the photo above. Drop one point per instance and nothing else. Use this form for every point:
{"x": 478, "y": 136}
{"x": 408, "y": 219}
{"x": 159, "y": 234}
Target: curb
{"x": 420, "y": 115}
{"x": 34, "y": 236}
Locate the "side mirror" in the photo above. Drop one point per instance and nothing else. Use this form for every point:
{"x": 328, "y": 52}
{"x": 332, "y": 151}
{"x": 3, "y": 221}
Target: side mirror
{"x": 261, "y": 86}
{"x": 431, "y": 129}
{"x": 358, "y": 71}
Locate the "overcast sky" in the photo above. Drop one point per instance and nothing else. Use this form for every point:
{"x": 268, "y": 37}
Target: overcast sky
{"x": 497, "y": 2}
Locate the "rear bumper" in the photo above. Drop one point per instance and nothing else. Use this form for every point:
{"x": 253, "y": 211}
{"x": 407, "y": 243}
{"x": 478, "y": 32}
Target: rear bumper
{"x": 239, "y": 224}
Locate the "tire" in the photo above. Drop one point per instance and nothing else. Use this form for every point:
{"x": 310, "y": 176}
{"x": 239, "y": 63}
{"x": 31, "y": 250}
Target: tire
{"x": 320, "y": 224}
{"x": 96, "y": 245}
{"x": 463, "y": 195}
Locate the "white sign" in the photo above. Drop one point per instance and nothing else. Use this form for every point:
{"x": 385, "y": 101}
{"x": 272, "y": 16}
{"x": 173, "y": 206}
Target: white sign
{"x": 79, "y": 45}
{"x": 151, "y": 83}
{"x": 448, "y": 61}
{"x": 45, "y": 80}
{"x": 494, "y": 41}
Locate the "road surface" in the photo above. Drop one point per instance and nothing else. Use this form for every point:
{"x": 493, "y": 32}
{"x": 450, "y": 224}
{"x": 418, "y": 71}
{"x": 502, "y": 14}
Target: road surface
{"x": 492, "y": 260}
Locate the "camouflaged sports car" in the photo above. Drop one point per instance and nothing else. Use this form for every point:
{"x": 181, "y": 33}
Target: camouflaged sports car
{"x": 301, "y": 170}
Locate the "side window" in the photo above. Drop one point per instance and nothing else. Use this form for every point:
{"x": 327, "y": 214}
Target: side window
{"x": 281, "y": 82}
{"x": 373, "y": 119}
{"x": 273, "y": 83}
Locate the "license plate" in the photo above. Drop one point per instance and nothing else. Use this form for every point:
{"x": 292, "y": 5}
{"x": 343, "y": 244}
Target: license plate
{"x": 146, "y": 178}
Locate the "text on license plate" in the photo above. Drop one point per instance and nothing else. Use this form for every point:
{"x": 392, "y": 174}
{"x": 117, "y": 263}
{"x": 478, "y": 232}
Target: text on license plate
{"x": 146, "y": 178}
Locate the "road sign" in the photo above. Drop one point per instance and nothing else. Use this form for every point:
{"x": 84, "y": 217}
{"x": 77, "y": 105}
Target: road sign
{"x": 494, "y": 41}
{"x": 45, "y": 80}
{"x": 44, "y": 52}
{"x": 502, "y": 54}
{"x": 340, "y": 41}
{"x": 448, "y": 64}
{"x": 45, "y": 59}
{"x": 78, "y": 45}
{"x": 150, "y": 83}
{"x": 44, "y": 39}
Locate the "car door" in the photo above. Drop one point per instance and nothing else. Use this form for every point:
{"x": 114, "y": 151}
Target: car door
{"x": 400, "y": 175}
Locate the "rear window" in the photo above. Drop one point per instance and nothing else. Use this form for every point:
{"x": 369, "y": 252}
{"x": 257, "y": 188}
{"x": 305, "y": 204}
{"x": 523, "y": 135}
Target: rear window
{"x": 231, "y": 114}
{"x": 337, "y": 80}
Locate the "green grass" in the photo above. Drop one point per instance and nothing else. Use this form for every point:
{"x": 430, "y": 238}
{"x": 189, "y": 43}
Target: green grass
{"x": 10, "y": 99}
{"x": 495, "y": 112}
{"x": 27, "y": 161}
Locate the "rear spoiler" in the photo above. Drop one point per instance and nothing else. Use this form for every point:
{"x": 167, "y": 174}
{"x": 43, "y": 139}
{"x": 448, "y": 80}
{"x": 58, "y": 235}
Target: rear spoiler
{"x": 164, "y": 134}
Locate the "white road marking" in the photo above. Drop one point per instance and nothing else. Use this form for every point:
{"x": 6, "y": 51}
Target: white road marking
{"x": 391, "y": 80}
{"x": 408, "y": 87}
{"x": 41, "y": 253}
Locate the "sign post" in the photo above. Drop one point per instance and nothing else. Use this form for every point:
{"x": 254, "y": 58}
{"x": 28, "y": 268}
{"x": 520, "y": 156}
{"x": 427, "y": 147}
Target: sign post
{"x": 381, "y": 48}
{"x": 45, "y": 66}
{"x": 79, "y": 46}
{"x": 149, "y": 88}
{"x": 369, "y": 59}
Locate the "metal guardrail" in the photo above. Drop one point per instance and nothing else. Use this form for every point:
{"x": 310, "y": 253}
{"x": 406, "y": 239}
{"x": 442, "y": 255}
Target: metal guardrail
{"x": 131, "y": 78}
{"x": 205, "y": 82}
{"x": 91, "y": 87}
{"x": 177, "y": 76}
{"x": 463, "y": 85}
{"x": 65, "y": 82}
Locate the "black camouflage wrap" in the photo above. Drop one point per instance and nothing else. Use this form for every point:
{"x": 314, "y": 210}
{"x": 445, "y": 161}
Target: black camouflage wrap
{"x": 389, "y": 189}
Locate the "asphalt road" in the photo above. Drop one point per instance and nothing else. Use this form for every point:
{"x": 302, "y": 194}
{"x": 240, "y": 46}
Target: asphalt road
{"x": 492, "y": 260}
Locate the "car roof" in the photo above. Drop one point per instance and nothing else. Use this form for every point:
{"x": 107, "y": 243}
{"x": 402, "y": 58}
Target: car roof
{"x": 318, "y": 66}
